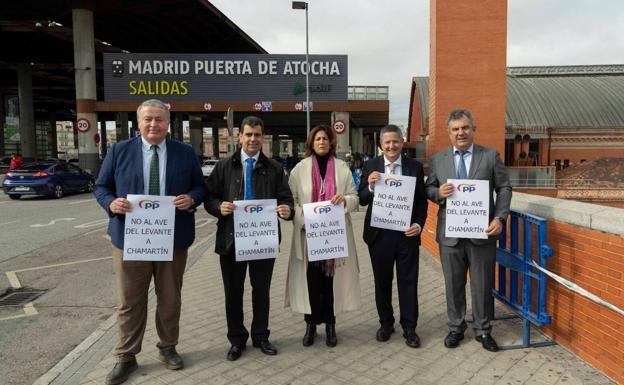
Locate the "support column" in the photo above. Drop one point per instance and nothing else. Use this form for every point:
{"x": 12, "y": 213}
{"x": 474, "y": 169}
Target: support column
{"x": 121, "y": 126}
{"x": 26, "y": 112}
{"x": 196, "y": 134}
{"x": 468, "y": 41}
{"x": 103, "y": 138}
{"x": 357, "y": 140}
{"x": 342, "y": 137}
{"x": 275, "y": 145}
{"x": 86, "y": 89}
{"x": 52, "y": 135}
{"x": 2, "y": 121}
{"x": 177, "y": 129}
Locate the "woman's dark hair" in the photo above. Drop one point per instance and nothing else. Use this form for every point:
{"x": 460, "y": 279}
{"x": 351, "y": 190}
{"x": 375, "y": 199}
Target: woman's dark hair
{"x": 330, "y": 135}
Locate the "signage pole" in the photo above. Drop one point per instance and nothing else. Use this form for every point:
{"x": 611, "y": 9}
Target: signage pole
{"x": 307, "y": 77}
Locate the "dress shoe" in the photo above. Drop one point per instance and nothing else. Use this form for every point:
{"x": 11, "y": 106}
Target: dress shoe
{"x": 330, "y": 331}
{"x": 171, "y": 358}
{"x": 488, "y": 342}
{"x": 411, "y": 338}
{"x": 383, "y": 334}
{"x": 310, "y": 333}
{"x": 121, "y": 371}
{"x": 452, "y": 339}
{"x": 235, "y": 352}
{"x": 265, "y": 347}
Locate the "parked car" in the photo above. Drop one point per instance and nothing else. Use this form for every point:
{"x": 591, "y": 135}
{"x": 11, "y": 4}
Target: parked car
{"x": 47, "y": 178}
{"x": 208, "y": 165}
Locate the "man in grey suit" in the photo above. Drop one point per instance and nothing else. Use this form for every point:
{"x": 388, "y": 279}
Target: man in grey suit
{"x": 467, "y": 160}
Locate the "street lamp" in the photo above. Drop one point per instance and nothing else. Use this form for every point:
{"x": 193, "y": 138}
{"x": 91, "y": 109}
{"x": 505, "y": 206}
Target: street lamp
{"x": 304, "y": 5}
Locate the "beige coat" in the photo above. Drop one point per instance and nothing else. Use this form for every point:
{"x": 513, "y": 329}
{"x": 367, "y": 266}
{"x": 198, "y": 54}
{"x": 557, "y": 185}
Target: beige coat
{"x": 346, "y": 277}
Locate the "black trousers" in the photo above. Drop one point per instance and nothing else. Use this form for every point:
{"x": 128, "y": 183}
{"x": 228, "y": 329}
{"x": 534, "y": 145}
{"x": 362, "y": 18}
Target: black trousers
{"x": 234, "y": 273}
{"x": 321, "y": 295}
{"x": 391, "y": 247}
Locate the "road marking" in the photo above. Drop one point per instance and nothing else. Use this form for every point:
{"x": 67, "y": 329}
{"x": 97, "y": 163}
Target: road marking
{"x": 82, "y": 201}
{"x": 95, "y": 231}
{"x": 196, "y": 244}
{"x": 52, "y": 222}
{"x": 97, "y": 222}
{"x": 29, "y": 308}
{"x": 203, "y": 222}
{"x": 7, "y": 223}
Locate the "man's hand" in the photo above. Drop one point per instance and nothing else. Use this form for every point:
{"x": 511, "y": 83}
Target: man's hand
{"x": 446, "y": 190}
{"x": 413, "y": 231}
{"x": 495, "y": 228}
{"x": 338, "y": 198}
{"x": 372, "y": 178}
{"x": 183, "y": 202}
{"x": 226, "y": 208}
{"x": 120, "y": 206}
{"x": 283, "y": 211}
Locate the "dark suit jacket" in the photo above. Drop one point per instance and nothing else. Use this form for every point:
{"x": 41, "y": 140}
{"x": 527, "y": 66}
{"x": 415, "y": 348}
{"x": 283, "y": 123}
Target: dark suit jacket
{"x": 485, "y": 165}
{"x": 122, "y": 174}
{"x": 409, "y": 167}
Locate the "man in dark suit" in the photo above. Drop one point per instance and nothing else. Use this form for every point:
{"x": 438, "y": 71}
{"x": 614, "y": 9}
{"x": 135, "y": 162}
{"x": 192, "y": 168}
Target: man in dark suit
{"x": 247, "y": 174}
{"x": 387, "y": 247}
{"x": 467, "y": 160}
{"x": 149, "y": 164}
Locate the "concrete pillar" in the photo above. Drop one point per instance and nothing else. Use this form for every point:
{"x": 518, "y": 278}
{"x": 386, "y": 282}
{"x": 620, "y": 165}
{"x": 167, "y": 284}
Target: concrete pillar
{"x": 342, "y": 138}
{"x": 121, "y": 126}
{"x": 215, "y": 140}
{"x": 26, "y": 112}
{"x": 177, "y": 129}
{"x": 357, "y": 140}
{"x": 52, "y": 136}
{"x": 86, "y": 89}
{"x": 275, "y": 146}
{"x": 103, "y": 139}
{"x": 196, "y": 134}
{"x": 468, "y": 41}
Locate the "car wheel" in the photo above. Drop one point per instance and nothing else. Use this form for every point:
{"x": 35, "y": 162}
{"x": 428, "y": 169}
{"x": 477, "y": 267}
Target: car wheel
{"x": 90, "y": 186}
{"x": 58, "y": 191}
{"x": 15, "y": 196}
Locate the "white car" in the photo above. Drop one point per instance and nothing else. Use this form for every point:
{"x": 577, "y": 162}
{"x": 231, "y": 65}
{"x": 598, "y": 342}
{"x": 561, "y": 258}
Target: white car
{"x": 208, "y": 165}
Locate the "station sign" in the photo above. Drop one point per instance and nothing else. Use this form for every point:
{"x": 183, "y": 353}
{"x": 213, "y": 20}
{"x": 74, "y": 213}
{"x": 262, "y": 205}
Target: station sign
{"x": 222, "y": 77}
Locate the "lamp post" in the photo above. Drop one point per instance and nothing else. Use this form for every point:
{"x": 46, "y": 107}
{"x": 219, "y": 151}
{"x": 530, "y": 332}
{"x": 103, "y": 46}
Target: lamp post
{"x": 304, "y": 5}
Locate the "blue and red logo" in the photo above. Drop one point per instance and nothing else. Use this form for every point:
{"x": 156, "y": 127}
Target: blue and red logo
{"x": 149, "y": 204}
{"x": 253, "y": 208}
{"x": 392, "y": 182}
{"x": 467, "y": 188}
{"x": 322, "y": 209}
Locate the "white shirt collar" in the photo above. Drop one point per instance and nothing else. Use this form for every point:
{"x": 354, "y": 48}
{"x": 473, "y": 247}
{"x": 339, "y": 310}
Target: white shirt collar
{"x": 147, "y": 145}
{"x": 244, "y": 156}
{"x": 470, "y": 149}
{"x": 397, "y": 162}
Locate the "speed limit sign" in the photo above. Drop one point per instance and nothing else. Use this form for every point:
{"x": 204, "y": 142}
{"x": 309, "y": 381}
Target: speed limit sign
{"x": 83, "y": 125}
{"x": 339, "y": 126}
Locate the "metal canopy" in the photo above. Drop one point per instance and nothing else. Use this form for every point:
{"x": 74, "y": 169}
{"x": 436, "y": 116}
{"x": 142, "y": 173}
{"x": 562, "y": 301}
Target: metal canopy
{"x": 40, "y": 32}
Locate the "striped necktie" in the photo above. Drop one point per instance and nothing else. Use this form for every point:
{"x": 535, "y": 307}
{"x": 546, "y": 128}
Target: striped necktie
{"x": 392, "y": 167}
{"x": 154, "y": 177}
{"x": 248, "y": 179}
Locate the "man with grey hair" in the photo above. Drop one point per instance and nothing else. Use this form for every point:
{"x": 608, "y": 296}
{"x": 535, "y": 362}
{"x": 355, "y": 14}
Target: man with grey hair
{"x": 467, "y": 160}
{"x": 154, "y": 165}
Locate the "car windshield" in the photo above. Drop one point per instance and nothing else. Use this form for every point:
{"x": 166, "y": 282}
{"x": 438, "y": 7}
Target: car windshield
{"x": 34, "y": 167}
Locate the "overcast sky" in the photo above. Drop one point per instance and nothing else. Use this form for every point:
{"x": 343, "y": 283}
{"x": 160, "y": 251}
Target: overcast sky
{"x": 388, "y": 41}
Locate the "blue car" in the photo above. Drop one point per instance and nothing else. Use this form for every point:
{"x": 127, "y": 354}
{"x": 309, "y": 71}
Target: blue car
{"x": 53, "y": 179}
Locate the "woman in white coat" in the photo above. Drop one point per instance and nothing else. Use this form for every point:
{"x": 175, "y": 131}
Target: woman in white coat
{"x": 322, "y": 289}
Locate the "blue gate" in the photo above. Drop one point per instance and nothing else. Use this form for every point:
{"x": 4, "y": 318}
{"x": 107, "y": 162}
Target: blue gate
{"x": 520, "y": 264}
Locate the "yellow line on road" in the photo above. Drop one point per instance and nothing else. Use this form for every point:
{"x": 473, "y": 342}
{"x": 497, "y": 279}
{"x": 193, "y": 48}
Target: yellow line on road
{"x": 29, "y": 309}
{"x": 13, "y": 280}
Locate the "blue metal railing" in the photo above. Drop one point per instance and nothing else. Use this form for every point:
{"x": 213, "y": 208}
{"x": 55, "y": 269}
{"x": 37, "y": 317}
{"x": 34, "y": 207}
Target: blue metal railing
{"x": 519, "y": 265}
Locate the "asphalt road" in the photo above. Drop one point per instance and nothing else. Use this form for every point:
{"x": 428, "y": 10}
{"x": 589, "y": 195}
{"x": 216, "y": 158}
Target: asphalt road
{"x": 59, "y": 247}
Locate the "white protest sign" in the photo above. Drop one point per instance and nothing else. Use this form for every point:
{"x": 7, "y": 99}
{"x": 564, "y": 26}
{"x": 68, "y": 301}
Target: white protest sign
{"x": 326, "y": 232}
{"x": 468, "y": 209}
{"x": 255, "y": 229}
{"x": 149, "y": 228}
{"x": 392, "y": 205}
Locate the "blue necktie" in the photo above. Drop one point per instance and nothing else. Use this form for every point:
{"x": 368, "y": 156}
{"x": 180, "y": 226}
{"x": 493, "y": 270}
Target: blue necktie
{"x": 248, "y": 179}
{"x": 462, "y": 173}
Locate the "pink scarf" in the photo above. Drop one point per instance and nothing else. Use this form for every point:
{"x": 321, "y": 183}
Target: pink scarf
{"x": 323, "y": 190}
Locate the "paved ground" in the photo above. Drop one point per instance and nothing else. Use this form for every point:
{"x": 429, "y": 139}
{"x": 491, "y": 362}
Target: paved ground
{"x": 358, "y": 358}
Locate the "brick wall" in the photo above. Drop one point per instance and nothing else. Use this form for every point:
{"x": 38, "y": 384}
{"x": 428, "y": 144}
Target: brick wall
{"x": 591, "y": 257}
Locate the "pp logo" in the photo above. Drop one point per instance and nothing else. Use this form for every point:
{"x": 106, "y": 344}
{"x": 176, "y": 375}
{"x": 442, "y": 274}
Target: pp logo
{"x": 466, "y": 187}
{"x": 322, "y": 209}
{"x": 118, "y": 68}
{"x": 391, "y": 182}
{"x": 148, "y": 204}
{"x": 253, "y": 209}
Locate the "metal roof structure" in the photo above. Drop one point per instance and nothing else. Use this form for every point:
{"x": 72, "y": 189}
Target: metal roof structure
{"x": 40, "y": 32}
{"x": 559, "y": 97}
